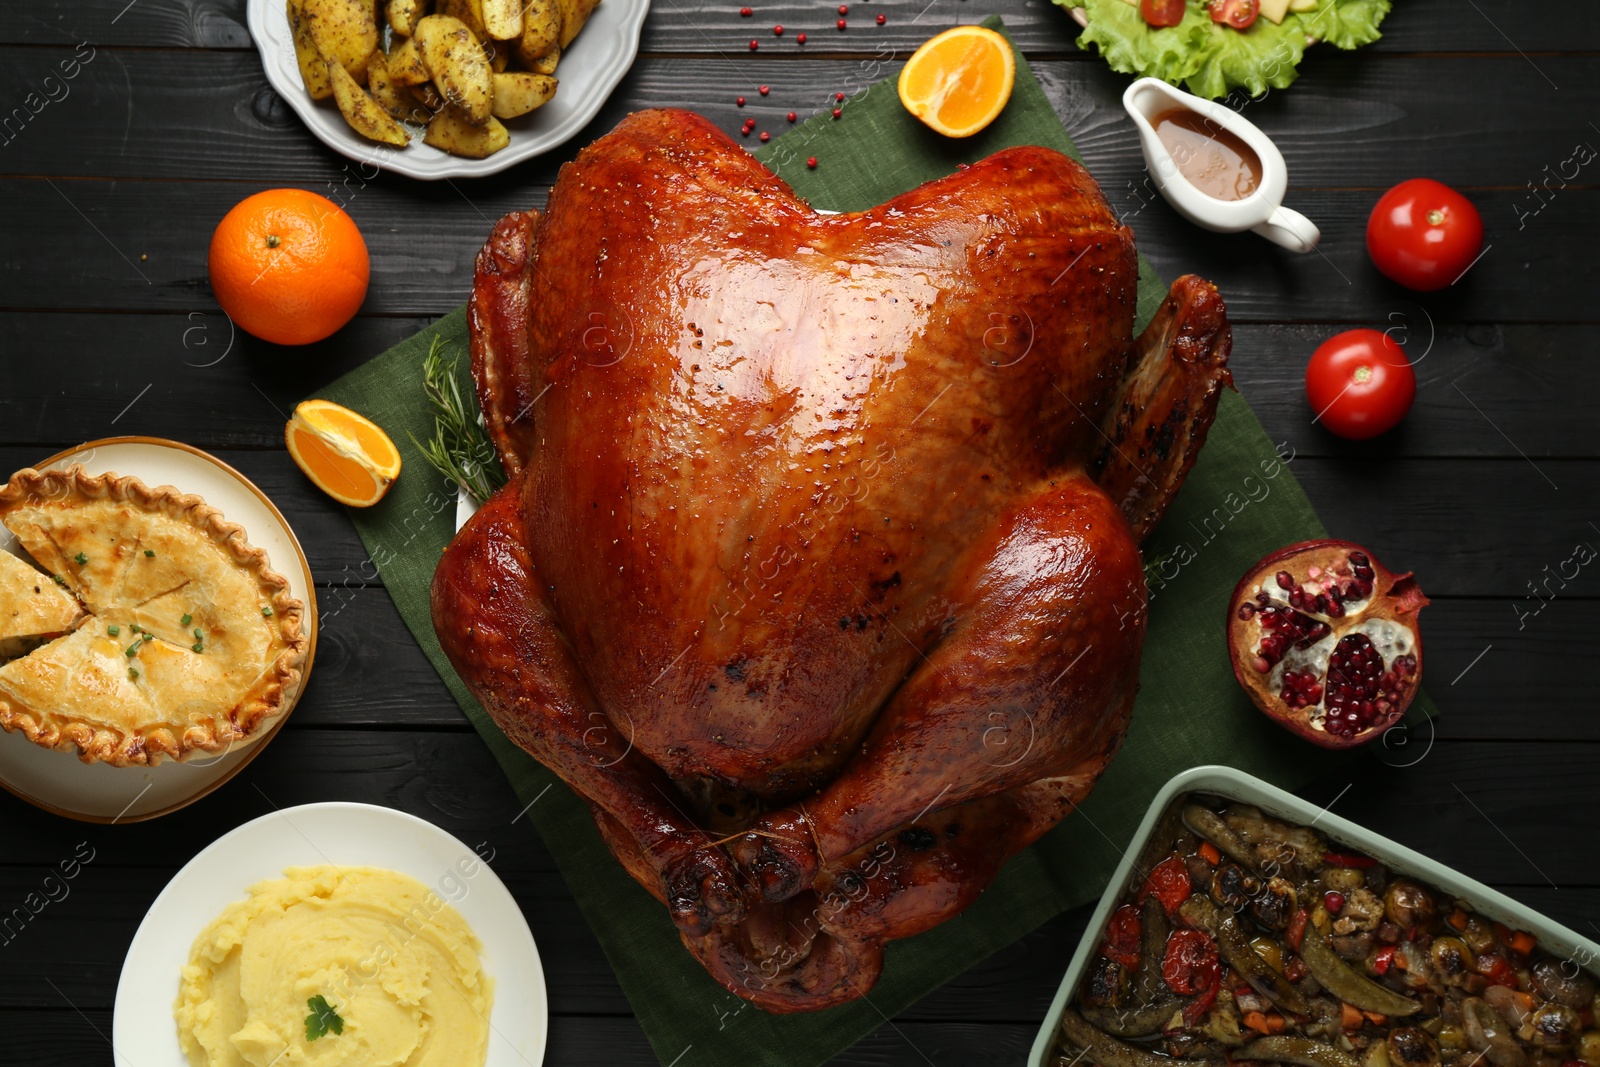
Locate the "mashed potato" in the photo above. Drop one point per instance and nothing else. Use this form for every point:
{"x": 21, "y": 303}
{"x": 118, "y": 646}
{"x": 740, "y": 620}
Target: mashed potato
{"x": 398, "y": 965}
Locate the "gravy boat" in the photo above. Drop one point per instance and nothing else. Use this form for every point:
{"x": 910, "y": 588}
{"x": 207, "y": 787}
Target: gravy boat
{"x": 1261, "y": 212}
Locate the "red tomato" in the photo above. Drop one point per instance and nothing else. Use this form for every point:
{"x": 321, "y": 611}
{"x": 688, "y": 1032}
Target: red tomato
{"x": 1169, "y": 883}
{"x": 1122, "y": 937}
{"x": 1190, "y": 963}
{"x": 1360, "y": 384}
{"x": 1162, "y": 12}
{"x": 1240, "y": 14}
{"x": 1424, "y": 234}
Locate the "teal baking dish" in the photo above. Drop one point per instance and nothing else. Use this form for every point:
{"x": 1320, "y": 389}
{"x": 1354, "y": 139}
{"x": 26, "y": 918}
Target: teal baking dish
{"x": 1236, "y": 785}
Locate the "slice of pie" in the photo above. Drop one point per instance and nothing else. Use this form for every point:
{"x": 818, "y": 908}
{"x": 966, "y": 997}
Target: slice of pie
{"x": 33, "y": 606}
{"x": 158, "y": 630}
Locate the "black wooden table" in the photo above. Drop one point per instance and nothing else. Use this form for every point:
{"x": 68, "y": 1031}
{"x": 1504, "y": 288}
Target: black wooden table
{"x": 110, "y": 190}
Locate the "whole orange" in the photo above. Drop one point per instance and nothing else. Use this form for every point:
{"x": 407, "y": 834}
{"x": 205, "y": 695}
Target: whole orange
{"x": 288, "y": 266}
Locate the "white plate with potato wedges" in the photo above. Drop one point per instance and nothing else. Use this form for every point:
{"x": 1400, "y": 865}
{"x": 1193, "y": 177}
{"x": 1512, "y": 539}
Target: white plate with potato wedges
{"x": 486, "y": 123}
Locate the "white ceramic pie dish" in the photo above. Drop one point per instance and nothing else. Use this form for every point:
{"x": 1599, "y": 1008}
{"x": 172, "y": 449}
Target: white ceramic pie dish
{"x": 61, "y": 783}
{"x": 143, "y": 1032}
{"x": 588, "y": 72}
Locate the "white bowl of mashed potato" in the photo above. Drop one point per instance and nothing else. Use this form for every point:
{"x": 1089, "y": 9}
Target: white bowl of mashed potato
{"x": 335, "y": 935}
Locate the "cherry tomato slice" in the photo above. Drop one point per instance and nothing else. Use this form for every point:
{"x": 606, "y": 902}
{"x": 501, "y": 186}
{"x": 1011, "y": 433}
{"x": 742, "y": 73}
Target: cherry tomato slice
{"x": 1162, "y": 12}
{"x": 1169, "y": 883}
{"x": 1189, "y": 965}
{"x": 1240, "y": 14}
{"x": 1122, "y": 937}
{"x": 1424, "y": 234}
{"x": 1360, "y": 384}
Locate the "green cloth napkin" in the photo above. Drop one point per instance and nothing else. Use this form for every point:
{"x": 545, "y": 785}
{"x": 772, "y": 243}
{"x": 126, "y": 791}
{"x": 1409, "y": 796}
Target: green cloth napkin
{"x": 1240, "y": 502}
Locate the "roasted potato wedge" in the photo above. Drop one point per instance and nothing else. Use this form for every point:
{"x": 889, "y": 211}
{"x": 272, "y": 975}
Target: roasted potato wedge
{"x": 405, "y": 64}
{"x": 362, "y": 112}
{"x": 458, "y": 66}
{"x": 546, "y": 64}
{"x": 313, "y": 70}
{"x": 450, "y": 133}
{"x": 541, "y": 31}
{"x": 499, "y": 53}
{"x": 520, "y": 92}
{"x": 574, "y": 13}
{"x": 391, "y": 97}
{"x": 502, "y": 18}
{"x": 468, "y": 11}
{"x": 426, "y": 95}
{"x": 345, "y": 31}
{"x": 403, "y": 15}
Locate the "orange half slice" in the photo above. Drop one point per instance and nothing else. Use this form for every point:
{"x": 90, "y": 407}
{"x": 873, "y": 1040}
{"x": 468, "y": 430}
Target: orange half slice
{"x": 347, "y": 455}
{"x": 958, "y": 82}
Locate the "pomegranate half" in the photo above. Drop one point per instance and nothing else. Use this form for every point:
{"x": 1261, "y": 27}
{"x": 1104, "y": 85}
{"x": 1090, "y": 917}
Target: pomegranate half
{"x": 1325, "y": 640}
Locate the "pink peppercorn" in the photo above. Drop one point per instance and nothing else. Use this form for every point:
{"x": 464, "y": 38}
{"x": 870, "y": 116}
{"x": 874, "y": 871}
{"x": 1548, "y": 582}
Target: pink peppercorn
{"x": 837, "y": 112}
{"x": 765, "y": 136}
{"x": 801, "y": 38}
{"x": 791, "y": 116}
{"x": 840, "y": 24}
{"x": 745, "y": 12}
{"x": 739, "y": 100}
{"x": 839, "y": 97}
{"x": 755, "y": 46}
{"x": 843, "y": 9}
{"x": 812, "y": 162}
{"x": 777, "y": 31}
{"x": 882, "y": 19}
{"x": 764, "y": 90}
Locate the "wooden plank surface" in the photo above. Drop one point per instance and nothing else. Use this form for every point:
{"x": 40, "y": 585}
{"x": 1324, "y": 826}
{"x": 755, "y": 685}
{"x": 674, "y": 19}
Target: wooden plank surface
{"x": 112, "y": 189}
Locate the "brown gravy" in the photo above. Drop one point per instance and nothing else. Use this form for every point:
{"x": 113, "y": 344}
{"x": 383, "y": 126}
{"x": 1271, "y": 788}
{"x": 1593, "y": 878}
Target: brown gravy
{"x": 1212, "y": 158}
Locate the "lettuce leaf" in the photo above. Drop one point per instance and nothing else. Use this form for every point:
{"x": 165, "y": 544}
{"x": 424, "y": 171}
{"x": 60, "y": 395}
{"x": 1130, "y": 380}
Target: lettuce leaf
{"x": 1344, "y": 24}
{"x": 1130, "y": 45}
{"x": 1213, "y": 60}
{"x": 1263, "y": 57}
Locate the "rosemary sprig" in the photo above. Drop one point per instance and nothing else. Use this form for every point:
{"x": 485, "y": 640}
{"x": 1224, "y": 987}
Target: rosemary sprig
{"x": 460, "y": 450}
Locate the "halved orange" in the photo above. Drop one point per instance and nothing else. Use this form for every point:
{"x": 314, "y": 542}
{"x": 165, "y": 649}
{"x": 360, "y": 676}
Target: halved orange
{"x": 959, "y": 81}
{"x": 347, "y": 455}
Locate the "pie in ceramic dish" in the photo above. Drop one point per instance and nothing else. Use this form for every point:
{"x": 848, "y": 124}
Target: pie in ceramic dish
{"x": 154, "y": 629}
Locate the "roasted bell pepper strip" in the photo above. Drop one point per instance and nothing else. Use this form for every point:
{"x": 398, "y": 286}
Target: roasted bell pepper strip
{"x": 1209, "y": 853}
{"x": 1337, "y": 978}
{"x": 1107, "y": 1051}
{"x": 1384, "y": 959}
{"x": 1297, "y": 928}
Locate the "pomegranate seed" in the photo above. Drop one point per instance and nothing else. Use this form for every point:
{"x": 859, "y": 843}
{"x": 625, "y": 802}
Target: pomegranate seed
{"x": 739, "y": 100}
{"x": 755, "y": 46}
{"x": 812, "y": 162}
{"x": 839, "y": 97}
{"x": 837, "y": 112}
{"x": 1333, "y": 901}
{"x": 840, "y": 24}
{"x": 882, "y": 20}
{"x": 801, "y": 38}
{"x": 777, "y": 31}
{"x": 744, "y": 131}
{"x": 745, "y": 12}
{"x": 764, "y": 90}
{"x": 791, "y": 116}
{"x": 844, "y": 9}
{"x": 1247, "y": 610}
{"x": 1285, "y": 581}
{"x": 765, "y": 136}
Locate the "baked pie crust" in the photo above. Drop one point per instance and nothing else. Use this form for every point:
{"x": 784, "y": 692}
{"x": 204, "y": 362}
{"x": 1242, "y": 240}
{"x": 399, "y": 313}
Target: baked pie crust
{"x": 186, "y": 642}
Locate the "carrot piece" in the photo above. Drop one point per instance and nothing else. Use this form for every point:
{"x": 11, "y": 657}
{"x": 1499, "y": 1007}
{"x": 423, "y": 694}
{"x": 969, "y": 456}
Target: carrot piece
{"x": 1209, "y": 852}
{"x": 1262, "y": 1023}
{"x": 1350, "y": 1017}
{"x": 1523, "y": 943}
{"x": 1376, "y": 1018}
{"x": 1458, "y": 919}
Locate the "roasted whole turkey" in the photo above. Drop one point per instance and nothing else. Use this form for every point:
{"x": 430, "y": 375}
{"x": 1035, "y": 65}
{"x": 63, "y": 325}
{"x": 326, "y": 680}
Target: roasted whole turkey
{"x": 817, "y": 574}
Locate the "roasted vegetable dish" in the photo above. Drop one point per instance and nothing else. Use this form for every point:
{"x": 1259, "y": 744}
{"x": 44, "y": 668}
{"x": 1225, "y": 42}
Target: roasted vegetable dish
{"x": 1249, "y": 940}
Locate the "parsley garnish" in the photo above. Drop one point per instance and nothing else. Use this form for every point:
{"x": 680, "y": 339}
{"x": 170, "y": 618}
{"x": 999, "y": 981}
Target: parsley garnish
{"x": 150, "y": 553}
{"x": 114, "y": 630}
{"x": 80, "y": 559}
{"x": 133, "y": 674}
{"x": 59, "y": 580}
{"x": 198, "y": 647}
{"x": 186, "y": 620}
{"x": 266, "y": 612}
{"x": 322, "y": 1018}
